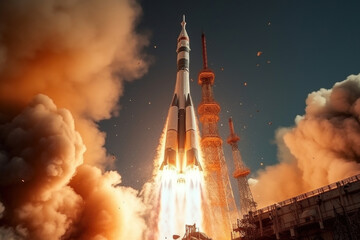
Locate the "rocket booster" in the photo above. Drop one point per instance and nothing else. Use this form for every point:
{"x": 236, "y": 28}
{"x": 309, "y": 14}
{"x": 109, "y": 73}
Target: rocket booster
{"x": 180, "y": 145}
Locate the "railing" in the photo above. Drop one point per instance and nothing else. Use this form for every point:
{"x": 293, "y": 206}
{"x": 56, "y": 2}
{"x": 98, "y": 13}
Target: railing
{"x": 308, "y": 194}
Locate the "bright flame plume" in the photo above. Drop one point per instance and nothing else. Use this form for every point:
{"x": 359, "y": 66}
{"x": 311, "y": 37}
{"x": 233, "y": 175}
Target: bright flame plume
{"x": 175, "y": 199}
{"x": 180, "y": 202}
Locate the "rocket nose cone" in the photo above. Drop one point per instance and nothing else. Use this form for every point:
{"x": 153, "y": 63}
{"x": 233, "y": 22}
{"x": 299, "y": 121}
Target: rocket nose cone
{"x": 183, "y": 33}
{"x": 183, "y": 23}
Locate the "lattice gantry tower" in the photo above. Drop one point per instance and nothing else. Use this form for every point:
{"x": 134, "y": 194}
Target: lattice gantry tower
{"x": 219, "y": 192}
{"x": 241, "y": 172}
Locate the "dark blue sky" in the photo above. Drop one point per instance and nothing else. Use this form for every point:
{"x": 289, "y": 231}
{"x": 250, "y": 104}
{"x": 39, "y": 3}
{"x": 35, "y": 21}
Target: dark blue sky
{"x": 310, "y": 45}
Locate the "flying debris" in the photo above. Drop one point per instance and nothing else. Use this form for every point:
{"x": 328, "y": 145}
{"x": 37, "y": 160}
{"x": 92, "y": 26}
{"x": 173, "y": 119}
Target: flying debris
{"x": 181, "y": 152}
{"x": 259, "y": 53}
{"x": 268, "y": 61}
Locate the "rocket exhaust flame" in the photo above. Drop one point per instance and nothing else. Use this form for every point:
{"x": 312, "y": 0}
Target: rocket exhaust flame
{"x": 180, "y": 203}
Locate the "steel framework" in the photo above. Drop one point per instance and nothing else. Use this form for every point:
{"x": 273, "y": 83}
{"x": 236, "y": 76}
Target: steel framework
{"x": 222, "y": 211}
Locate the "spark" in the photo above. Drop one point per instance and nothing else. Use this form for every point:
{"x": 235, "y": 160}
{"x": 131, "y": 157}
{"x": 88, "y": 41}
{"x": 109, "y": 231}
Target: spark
{"x": 259, "y": 53}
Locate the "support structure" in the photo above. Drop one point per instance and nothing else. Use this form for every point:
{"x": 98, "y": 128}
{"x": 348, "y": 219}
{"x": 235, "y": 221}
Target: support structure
{"x": 241, "y": 172}
{"x": 318, "y": 214}
{"x": 222, "y": 211}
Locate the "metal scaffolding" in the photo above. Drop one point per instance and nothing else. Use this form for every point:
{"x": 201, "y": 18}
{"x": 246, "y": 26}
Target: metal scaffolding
{"x": 222, "y": 209}
{"x": 241, "y": 172}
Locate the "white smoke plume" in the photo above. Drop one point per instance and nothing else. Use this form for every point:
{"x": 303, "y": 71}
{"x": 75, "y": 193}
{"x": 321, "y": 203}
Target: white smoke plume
{"x": 322, "y": 148}
{"x": 62, "y": 67}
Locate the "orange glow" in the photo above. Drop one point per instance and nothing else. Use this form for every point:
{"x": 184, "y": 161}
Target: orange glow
{"x": 177, "y": 198}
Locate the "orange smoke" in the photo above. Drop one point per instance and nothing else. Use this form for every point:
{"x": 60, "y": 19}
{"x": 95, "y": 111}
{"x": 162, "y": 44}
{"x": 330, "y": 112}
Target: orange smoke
{"x": 76, "y": 52}
{"x": 151, "y": 192}
{"x": 322, "y": 148}
{"x": 76, "y": 55}
{"x": 40, "y": 153}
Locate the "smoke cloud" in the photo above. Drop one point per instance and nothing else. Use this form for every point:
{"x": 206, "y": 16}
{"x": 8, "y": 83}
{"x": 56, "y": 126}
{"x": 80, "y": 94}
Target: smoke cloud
{"x": 322, "y": 148}
{"x": 62, "y": 68}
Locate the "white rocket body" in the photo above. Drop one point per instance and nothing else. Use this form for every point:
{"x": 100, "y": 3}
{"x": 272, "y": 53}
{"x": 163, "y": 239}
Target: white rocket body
{"x": 180, "y": 146}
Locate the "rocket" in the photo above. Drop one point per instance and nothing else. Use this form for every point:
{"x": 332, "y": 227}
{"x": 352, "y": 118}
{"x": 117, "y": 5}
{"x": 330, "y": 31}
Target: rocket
{"x": 181, "y": 151}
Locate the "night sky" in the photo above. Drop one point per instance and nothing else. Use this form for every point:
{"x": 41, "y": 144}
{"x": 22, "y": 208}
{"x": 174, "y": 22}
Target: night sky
{"x": 305, "y": 45}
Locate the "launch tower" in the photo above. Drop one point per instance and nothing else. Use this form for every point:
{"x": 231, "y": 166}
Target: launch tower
{"x": 240, "y": 174}
{"x": 223, "y": 210}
